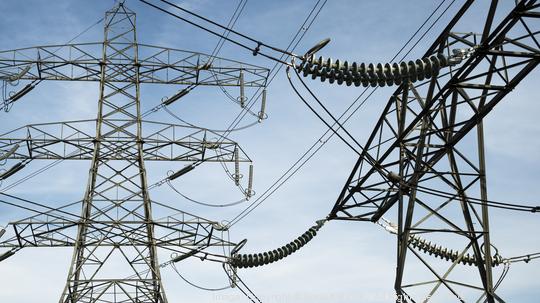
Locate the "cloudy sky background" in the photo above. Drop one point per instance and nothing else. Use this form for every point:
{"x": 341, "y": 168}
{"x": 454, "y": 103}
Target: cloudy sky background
{"x": 347, "y": 262}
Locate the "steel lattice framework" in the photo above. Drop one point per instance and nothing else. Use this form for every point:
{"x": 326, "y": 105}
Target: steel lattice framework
{"x": 423, "y": 163}
{"x": 115, "y": 238}
{"x": 429, "y": 141}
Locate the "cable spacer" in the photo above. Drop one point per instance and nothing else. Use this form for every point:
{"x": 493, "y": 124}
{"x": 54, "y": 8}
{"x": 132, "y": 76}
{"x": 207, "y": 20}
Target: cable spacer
{"x": 257, "y": 49}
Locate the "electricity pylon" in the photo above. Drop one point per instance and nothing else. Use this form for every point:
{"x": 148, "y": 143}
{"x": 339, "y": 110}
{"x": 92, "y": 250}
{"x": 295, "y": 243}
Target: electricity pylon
{"x": 115, "y": 237}
{"x": 426, "y": 156}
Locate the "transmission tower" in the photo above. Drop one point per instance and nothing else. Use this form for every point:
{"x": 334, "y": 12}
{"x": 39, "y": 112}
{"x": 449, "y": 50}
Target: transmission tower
{"x": 115, "y": 237}
{"x": 426, "y": 154}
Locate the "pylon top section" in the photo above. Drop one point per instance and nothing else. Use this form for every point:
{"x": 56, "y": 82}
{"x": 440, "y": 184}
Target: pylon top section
{"x": 120, "y": 24}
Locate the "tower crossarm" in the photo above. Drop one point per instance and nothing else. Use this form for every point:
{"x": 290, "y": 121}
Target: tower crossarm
{"x": 74, "y": 140}
{"x": 180, "y": 233}
{"x": 160, "y": 65}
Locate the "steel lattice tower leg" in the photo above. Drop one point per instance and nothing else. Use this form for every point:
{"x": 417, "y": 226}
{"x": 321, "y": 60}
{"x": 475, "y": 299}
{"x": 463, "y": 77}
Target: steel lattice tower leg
{"x": 423, "y": 165}
{"x": 475, "y": 226}
{"x": 103, "y": 253}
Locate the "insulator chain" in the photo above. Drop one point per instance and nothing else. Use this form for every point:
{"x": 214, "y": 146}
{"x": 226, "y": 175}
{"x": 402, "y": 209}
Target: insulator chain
{"x": 439, "y": 250}
{"x": 249, "y": 191}
{"x": 262, "y": 115}
{"x": 236, "y": 175}
{"x": 13, "y": 80}
{"x": 13, "y": 170}
{"x": 4, "y": 174}
{"x": 379, "y": 74}
{"x": 9, "y": 253}
{"x": 260, "y": 259}
{"x": 448, "y": 254}
{"x": 242, "y": 98}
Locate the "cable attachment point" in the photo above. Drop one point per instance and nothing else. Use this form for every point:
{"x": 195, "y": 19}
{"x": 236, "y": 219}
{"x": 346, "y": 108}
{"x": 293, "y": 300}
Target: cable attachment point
{"x": 238, "y": 247}
{"x": 211, "y": 144}
{"x": 320, "y": 223}
{"x": 205, "y": 66}
{"x": 389, "y": 226}
{"x": 397, "y": 181}
{"x": 8, "y": 153}
{"x": 460, "y": 54}
{"x": 220, "y": 226}
{"x": 18, "y": 76}
{"x": 393, "y": 177}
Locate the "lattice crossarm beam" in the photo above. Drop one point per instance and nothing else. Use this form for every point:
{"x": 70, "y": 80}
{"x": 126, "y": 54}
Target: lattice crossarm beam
{"x": 204, "y": 240}
{"x": 82, "y": 62}
{"x": 185, "y": 150}
{"x": 53, "y": 62}
{"x": 61, "y": 140}
{"x": 155, "y": 150}
{"x": 172, "y": 234}
{"x": 50, "y": 233}
{"x": 74, "y": 140}
{"x": 180, "y": 143}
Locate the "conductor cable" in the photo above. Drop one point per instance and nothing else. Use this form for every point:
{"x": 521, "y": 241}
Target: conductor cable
{"x": 205, "y": 203}
{"x": 173, "y": 265}
{"x": 253, "y": 50}
{"x": 319, "y": 116}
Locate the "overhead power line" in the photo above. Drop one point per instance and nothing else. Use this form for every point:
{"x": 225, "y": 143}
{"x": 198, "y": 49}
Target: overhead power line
{"x": 303, "y": 28}
{"x": 320, "y": 142}
{"x": 255, "y": 49}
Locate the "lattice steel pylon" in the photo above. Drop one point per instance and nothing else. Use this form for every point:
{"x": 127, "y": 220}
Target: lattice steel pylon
{"x": 425, "y": 158}
{"x": 116, "y": 236}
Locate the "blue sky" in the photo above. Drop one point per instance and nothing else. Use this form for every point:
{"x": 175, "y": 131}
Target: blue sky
{"x": 347, "y": 262}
